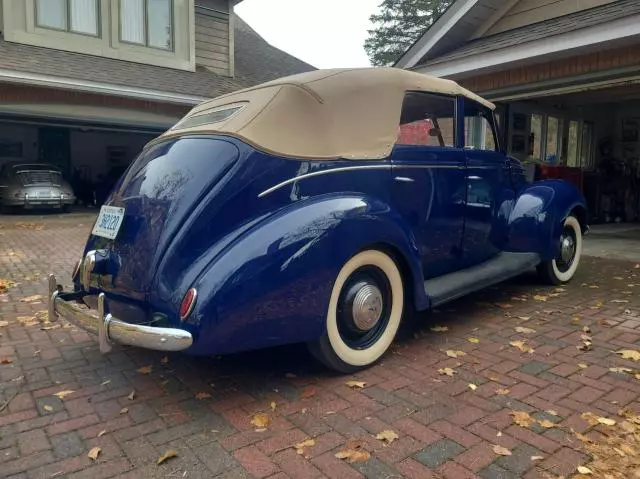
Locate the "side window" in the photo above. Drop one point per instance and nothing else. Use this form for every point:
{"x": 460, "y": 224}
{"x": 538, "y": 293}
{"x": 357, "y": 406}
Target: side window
{"x": 427, "y": 120}
{"x": 478, "y": 127}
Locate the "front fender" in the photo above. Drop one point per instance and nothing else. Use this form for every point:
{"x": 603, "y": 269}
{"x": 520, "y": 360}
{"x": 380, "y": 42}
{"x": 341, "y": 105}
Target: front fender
{"x": 535, "y": 221}
{"x": 272, "y": 284}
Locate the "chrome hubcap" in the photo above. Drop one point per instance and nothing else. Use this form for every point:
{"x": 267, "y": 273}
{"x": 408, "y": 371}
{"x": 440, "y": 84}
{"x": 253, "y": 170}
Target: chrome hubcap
{"x": 367, "y": 307}
{"x": 567, "y": 249}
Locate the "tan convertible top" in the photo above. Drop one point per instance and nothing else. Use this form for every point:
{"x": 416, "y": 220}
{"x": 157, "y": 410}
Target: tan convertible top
{"x": 324, "y": 114}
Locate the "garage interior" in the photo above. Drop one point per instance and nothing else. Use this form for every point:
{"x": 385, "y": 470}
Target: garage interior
{"x": 586, "y": 134}
{"x": 92, "y": 156}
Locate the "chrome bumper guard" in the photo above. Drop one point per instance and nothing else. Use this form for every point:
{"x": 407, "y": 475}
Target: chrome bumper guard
{"x": 111, "y": 330}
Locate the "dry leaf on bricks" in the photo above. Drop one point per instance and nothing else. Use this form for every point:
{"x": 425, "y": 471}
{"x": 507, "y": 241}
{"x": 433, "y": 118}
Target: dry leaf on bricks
{"x": 203, "y": 395}
{"x": 63, "y": 394}
{"x": 145, "y": 370}
{"x": 522, "y": 419}
{"x": 523, "y": 330}
{"x": 308, "y": 392}
{"x": 131, "y": 396}
{"x": 166, "y": 456}
{"x": 355, "y": 384}
{"x": 94, "y": 453}
{"x": 501, "y": 451}
{"x": 522, "y": 346}
{"x": 261, "y": 420}
{"x": 387, "y": 436}
{"x": 302, "y": 446}
{"x": 455, "y": 354}
{"x": 439, "y": 329}
{"x": 447, "y": 372}
{"x": 629, "y": 354}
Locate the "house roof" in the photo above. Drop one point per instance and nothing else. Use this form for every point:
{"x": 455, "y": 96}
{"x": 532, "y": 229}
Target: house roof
{"x": 545, "y": 29}
{"x": 252, "y": 55}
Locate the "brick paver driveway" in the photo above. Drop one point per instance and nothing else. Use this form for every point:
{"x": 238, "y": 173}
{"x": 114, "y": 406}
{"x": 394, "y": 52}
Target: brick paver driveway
{"x": 202, "y": 408}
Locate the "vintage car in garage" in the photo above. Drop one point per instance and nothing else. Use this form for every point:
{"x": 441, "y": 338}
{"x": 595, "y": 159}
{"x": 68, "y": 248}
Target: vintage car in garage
{"x": 34, "y": 185}
{"x": 322, "y": 208}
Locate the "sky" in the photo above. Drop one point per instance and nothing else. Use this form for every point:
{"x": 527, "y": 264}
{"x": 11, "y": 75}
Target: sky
{"x": 324, "y": 33}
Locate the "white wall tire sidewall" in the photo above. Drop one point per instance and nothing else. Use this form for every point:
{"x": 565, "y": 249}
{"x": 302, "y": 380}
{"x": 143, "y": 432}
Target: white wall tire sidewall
{"x": 567, "y": 275}
{"x": 364, "y": 357}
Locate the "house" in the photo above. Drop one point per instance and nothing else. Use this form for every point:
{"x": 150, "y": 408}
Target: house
{"x": 565, "y": 75}
{"x": 84, "y": 84}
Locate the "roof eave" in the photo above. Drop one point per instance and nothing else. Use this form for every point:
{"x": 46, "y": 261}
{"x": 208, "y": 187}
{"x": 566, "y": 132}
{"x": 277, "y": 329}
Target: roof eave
{"x": 435, "y": 33}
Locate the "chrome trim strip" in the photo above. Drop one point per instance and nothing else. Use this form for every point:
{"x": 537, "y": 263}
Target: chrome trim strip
{"x": 88, "y": 264}
{"x": 115, "y": 330}
{"x": 404, "y": 179}
{"x": 320, "y": 173}
{"x": 353, "y": 168}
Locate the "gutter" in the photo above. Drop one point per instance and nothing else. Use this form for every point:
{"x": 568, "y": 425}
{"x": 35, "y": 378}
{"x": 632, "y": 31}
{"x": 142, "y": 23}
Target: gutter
{"x": 85, "y": 86}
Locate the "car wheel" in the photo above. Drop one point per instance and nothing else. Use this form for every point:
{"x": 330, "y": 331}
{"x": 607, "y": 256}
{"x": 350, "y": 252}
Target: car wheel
{"x": 364, "y": 314}
{"x": 564, "y": 266}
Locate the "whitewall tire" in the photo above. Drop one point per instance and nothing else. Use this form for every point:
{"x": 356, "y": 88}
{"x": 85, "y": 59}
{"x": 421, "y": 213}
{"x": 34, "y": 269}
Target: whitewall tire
{"x": 563, "y": 267}
{"x": 364, "y": 312}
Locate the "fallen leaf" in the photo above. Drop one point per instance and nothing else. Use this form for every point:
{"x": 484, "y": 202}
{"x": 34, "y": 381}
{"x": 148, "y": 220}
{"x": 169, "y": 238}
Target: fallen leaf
{"x": 165, "y": 360}
{"x": 472, "y": 386}
{"x": 525, "y": 348}
{"x": 439, "y": 329}
{"x": 524, "y": 318}
{"x": 447, "y": 372}
{"x": 355, "y": 384}
{"x": 63, "y": 394}
{"x": 4, "y": 323}
{"x": 583, "y": 365}
{"x": 536, "y": 458}
{"x": 523, "y": 330}
{"x": 539, "y": 297}
{"x": 31, "y": 299}
{"x": 102, "y": 433}
{"x": 502, "y": 392}
{"x": 522, "y": 419}
{"x": 261, "y": 420}
{"x": 586, "y": 329}
{"x": 94, "y": 453}
{"x": 621, "y": 370}
{"x": 131, "y": 395}
{"x": 473, "y": 340}
{"x": 455, "y": 354}
{"x": 308, "y": 392}
{"x": 619, "y": 300}
{"x": 606, "y": 421}
{"x": 504, "y": 305}
{"x": 104, "y": 383}
{"x": 501, "y": 451}
{"x": 145, "y": 370}
{"x": 629, "y": 354}
{"x": 353, "y": 452}
{"x": 47, "y": 408}
{"x": 6, "y": 361}
{"x": 584, "y": 470}
{"x": 124, "y": 410}
{"x": 300, "y": 447}
{"x": 167, "y": 455}
{"x": 273, "y": 405}
{"x": 387, "y": 436}
{"x": 203, "y": 395}
{"x": 552, "y": 412}
{"x": 546, "y": 424}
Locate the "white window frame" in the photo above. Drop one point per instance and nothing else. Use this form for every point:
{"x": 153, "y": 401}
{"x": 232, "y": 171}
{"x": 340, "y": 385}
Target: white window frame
{"x": 146, "y": 44}
{"x": 68, "y": 22}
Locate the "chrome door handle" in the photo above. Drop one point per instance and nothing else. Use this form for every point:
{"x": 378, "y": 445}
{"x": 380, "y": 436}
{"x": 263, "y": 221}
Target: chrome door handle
{"x": 404, "y": 179}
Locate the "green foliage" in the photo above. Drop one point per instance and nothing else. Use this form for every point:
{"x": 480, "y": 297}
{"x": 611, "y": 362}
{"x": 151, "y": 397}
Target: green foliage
{"x": 398, "y": 24}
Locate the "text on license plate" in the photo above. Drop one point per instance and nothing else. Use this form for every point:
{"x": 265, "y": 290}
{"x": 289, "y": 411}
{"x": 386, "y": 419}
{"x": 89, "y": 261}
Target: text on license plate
{"x": 108, "y": 222}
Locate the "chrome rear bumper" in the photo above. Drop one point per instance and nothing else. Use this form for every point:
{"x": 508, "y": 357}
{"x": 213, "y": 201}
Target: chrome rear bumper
{"x": 109, "y": 329}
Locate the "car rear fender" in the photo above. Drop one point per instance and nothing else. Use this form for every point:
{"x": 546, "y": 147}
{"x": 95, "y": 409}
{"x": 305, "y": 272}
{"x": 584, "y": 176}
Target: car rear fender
{"x": 272, "y": 284}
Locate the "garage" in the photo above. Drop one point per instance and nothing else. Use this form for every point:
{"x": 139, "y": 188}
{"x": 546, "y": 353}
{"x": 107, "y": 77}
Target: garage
{"x": 91, "y": 144}
{"x": 587, "y": 134}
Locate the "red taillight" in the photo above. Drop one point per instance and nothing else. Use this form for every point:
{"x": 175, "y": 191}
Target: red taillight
{"x": 188, "y": 302}
{"x": 76, "y": 270}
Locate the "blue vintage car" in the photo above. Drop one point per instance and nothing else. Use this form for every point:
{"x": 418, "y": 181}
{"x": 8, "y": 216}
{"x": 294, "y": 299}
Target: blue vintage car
{"x": 321, "y": 208}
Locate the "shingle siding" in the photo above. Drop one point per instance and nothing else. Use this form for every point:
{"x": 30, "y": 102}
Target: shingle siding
{"x": 213, "y": 37}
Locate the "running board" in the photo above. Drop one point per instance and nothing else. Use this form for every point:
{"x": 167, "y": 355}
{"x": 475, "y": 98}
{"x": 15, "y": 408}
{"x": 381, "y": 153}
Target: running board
{"x": 460, "y": 283}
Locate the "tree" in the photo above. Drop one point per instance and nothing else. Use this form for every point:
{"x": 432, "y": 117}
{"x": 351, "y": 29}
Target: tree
{"x": 398, "y": 25}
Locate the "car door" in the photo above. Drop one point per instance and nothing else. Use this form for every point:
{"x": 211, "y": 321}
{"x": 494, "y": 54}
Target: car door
{"x": 427, "y": 171}
{"x": 488, "y": 184}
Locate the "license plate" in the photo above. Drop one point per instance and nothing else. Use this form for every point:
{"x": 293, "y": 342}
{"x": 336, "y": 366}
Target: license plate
{"x": 108, "y": 222}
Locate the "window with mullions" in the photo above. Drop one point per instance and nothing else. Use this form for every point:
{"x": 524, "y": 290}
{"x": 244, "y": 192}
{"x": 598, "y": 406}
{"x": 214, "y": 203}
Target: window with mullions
{"x": 147, "y": 22}
{"x": 76, "y": 16}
